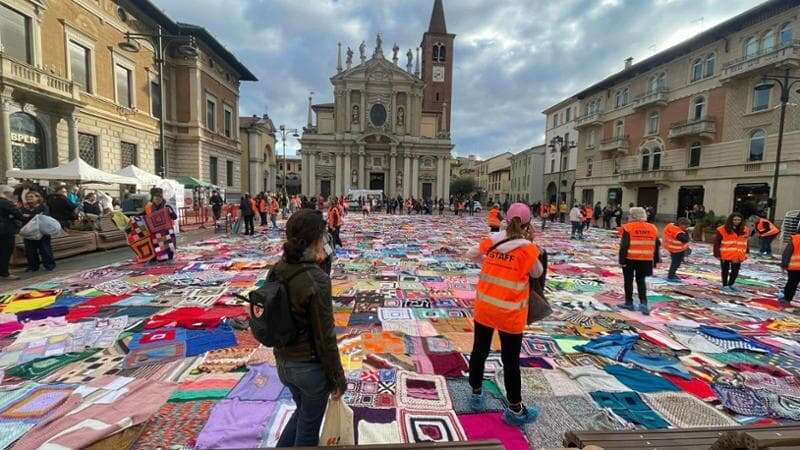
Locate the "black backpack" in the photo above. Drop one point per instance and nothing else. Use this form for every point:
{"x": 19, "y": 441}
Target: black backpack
{"x": 275, "y": 327}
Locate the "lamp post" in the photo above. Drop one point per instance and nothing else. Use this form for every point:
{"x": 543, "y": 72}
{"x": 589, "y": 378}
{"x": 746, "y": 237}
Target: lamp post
{"x": 785, "y": 82}
{"x": 188, "y": 49}
{"x": 283, "y": 130}
{"x": 563, "y": 146}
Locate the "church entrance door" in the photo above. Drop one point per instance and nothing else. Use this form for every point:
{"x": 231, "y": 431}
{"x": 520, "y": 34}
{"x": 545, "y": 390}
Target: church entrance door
{"x": 325, "y": 188}
{"x": 427, "y": 191}
{"x": 377, "y": 181}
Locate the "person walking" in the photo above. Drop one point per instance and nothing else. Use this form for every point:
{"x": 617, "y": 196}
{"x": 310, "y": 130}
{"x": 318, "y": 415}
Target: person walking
{"x": 767, "y": 232}
{"x": 588, "y": 212}
{"x": 248, "y": 207}
{"x": 10, "y": 223}
{"x": 576, "y": 218}
{"x": 507, "y": 259}
{"x": 553, "y": 212}
{"x": 562, "y": 211}
{"x": 335, "y": 221}
{"x": 273, "y": 208}
{"x": 216, "y": 205}
{"x": 441, "y": 207}
{"x": 638, "y": 256}
{"x": 617, "y": 216}
{"x": 598, "y": 214}
{"x": 607, "y": 213}
{"x": 37, "y": 252}
{"x": 676, "y": 242}
{"x": 790, "y": 262}
{"x": 262, "y": 207}
{"x": 494, "y": 218}
{"x": 731, "y": 248}
{"x": 157, "y": 203}
{"x": 544, "y": 213}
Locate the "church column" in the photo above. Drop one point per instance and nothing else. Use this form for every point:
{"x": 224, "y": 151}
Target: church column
{"x": 439, "y": 177}
{"x": 394, "y": 111}
{"x": 348, "y": 115}
{"x": 409, "y": 115}
{"x": 447, "y": 179}
{"x": 406, "y": 175}
{"x": 415, "y": 176}
{"x": 363, "y": 115}
{"x": 337, "y": 175}
{"x": 393, "y": 172}
{"x": 312, "y": 174}
{"x": 346, "y": 178}
{"x": 361, "y": 168}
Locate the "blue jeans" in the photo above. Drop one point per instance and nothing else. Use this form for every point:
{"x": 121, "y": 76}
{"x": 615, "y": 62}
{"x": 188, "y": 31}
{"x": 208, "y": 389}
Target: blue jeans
{"x": 766, "y": 245}
{"x": 39, "y": 252}
{"x": 310, "y": 391}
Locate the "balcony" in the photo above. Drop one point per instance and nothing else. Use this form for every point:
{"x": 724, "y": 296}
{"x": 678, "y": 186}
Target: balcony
{"x": 786, "y": 56}
{"x": 615, "y": 144}
{"x": 589, "y": 120}
{"x": 32, "y": 81}
{"x": 704, "y": 128}
{"x": 639, "y": 176}
{"x": 654, "y": 98}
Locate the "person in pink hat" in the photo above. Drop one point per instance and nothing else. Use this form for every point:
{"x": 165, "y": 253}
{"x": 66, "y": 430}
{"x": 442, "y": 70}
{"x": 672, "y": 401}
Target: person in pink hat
{"x": 508, "y": 260}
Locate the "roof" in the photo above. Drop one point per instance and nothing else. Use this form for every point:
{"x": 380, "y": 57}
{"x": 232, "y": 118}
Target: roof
{"x": 151, "y": 10}
{"x": 249, "y": 121}
{"x": 560, "y": 104}
{"x": 756, "y": 14}
{"x": 437, "y": 24}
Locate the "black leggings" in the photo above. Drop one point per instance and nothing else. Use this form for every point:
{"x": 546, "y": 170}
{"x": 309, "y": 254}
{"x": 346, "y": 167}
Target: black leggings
{"x": 791, "y": 285}
{"x": 249, "y": 227}
{"x": 730, "y": 271}
{"x": 630, "y": 272}
{"x": 510, "y": 345}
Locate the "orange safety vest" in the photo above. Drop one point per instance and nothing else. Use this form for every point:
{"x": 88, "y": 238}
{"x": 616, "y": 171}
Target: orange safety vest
{"x": 794, "y": 262}
{"x": 543, "y": 211}
{"x": 588, "y": 212}
{"x": 552, "y": 209}
{"x": 262, "y": 205}
{"x": 334, "y": 218}
{"x": 671, "y": 242}
{"x": 772, "y": 230}
{"x": 643, "y": 237}
{"x": 494, "y": 217}
{"x": 148, "y": 209}
{"x": 501, "y": 300}
{"x": 273, "y": 207}
{"x": 734, "y": 246}
{"x": 253, "y": 206}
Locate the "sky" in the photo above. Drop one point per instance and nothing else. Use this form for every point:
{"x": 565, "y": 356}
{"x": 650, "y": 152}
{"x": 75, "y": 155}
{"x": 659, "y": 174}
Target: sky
{"x": 513, "y": 58}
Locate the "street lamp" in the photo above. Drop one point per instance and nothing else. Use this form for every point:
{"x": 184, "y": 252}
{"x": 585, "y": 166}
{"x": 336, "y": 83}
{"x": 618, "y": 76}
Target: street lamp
{"x": 187, "y": 49}
{"x": 283, "y": 131}
{"x": 785, "y": 82}
{"x": 563, "y": 146}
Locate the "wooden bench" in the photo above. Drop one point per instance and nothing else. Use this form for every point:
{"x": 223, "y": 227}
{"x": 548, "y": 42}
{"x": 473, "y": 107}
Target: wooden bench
{"x": 109, "y": 235}
{"x": 71, "y": 244}
{"x": 754, "y": 437}
{"x": 758, "y": 438}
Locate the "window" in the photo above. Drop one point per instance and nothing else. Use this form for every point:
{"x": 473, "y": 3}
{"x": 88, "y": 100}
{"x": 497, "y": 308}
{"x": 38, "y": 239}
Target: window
{"x": 757, "y": 141}
{"x": 555, "y": 120}
{"x": 618, "y": 99}
{"x": 619, "y": 129}
{"x": 751, "y": 47}
{"x": 760, "y": 99}
{"x": 15, "y": 34}
{"x": 625, "y": 97}
{"x": 155, "y": 99}
{"x": 697, "y": 69}
{"x": 699, "y": 108}
{"x": 123, "y": 81}
{"x": 228, "y": 122}
{"x": 645, "y": 159}
{"x": 568, "y": 114}
{"x": 212, "y": 169}
{"x": 710, "y": 61}
{"x": 158, "y": 157}
{"x": 787, "y": 35}
{"x": 694, "y": 155}
{"x": 589, "y": 167}
{"x": 27, "y": 147}
{"x": 439, "y": 52}
{"x": 653, "y": 86}
{"x": 127, "y": 154}
{"x": 229, "y": 173}
{"x": 768, "y": 41}
{"x": 211, "y": 114}
{"x": 563, "y": 164}
{"x": 592, "y": 137}
{"x": 652, "y": 123}
{"x": 657, "y": 158}
{"x": 552, "y": 165}
{"x": 616, "y": 166}
{"x": 79, "y": 66}
{"x": 87, "y": 148}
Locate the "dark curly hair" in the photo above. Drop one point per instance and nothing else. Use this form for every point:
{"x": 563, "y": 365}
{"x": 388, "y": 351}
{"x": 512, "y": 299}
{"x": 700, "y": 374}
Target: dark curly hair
{"x": 304, "y": 228}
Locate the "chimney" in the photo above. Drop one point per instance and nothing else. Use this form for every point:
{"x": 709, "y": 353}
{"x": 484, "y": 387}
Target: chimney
{"x": 628, "y": 62}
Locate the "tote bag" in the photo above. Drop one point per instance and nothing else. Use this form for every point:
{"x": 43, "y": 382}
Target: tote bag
{"x": 337, "y": 425}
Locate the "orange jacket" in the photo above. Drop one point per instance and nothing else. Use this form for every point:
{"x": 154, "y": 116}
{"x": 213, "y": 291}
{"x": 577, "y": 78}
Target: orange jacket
{"x": 671, "y": 242}
{"x": 552, "y": 209}
{"x": 253, "y": 205}
{"x": 794, "y": 261}
{"x": 643, "y": 237}
{"x": 772, "y": 230}
{"x": 502, "y": 293}
{"x": 543, "y": 210}
{"x": 588, "y": 212}
{"x": 334, "y": 217}
{"x": 733, "y": 246}
{"x": 273, "y": 207}
{"x": 494, "y": 217}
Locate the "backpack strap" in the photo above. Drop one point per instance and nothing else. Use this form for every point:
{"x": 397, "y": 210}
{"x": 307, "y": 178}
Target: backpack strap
{"x": 498, "y": 244}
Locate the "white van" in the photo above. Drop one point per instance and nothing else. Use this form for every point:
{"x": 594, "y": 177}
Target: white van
{"x": 354, "y": 194}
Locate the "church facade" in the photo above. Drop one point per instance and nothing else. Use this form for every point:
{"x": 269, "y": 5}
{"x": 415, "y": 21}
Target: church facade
{"x": 389, "y": 126}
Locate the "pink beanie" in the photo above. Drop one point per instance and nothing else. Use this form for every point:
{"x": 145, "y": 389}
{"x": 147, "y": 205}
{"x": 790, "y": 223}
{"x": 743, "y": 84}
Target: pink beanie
{"x": 520, "y": 210}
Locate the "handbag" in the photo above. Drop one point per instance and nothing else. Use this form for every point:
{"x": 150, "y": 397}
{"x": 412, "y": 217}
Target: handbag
{"x": 538, "y": 307}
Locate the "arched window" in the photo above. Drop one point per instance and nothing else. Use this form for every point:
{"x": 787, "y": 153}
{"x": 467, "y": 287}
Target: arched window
{"x": 657, "y": 158}
{"x": 619, "y": 129}
{"x": 645, "y": 159}
{"x": 751, "y": 47}
{"x": 710, "y": 61}
{"x": 589, "y": 167}
{"x": 442, "y": 53}
{"x": 652, "y": 123}
{"x": 698, "y": 108}
{"x": 757, "y": 143}
{"x": 697, "y": 69}
{"x": 694, "y": 155}
{"x": 768, "y": 41}
{"x": 787, "y": 34}
{"x": 439, "y": 52}
{"x": 27, "y": 142}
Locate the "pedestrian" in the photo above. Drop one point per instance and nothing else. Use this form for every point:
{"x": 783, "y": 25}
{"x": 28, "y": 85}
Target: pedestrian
{"x": 588, "y": 212}
{"x": 216, "y": 205}
{"x": 74, "y": 197}
{"x": 767, "y": 232}
{"x": 505, "y": 206}
{"x": 10, "y": 223}
{"x": 676, "y": 242}
{"x": 608, "y": 212}
{"x": 544, "y": 212}
{"x": 638, "y": 256}
{"x": 471, "y": 206}
{"x": 562, "y": 211}
{"x": 37, "y": 251}
{"x": 61, "y": 209}
{"x": 617, "y": 216}
{"x": 731, "y": 248}
{"x": 553, "y": 212}
{"x": 598, "y": 213}
{"x": 262, "y": 208}
{"x": 576, "y": 218}
{"x": 494, "y": 218}
{"x": 365, "y": 207}
{"x": 157, "y": 203}
{"x": 441, "y": 207}
{"x": 335, "y": 221}
{"x": 248, "y": 208}
{"x": 790, "y": 262}
{"x": 507, "y": 259}
{"x": 309, "y": 366}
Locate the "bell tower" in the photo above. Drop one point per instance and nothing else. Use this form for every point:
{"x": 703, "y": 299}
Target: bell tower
{"x": 437, "y": 66}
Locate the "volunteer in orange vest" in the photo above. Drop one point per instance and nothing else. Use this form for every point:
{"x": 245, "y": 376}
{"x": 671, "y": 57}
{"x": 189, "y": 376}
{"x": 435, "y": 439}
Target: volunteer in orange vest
{"x": 273, "y": 209}
{"x": 588, "y": 212}
{"x": 544, "y": 213}
{"x": 731, "y": 248}
{"x": 495, "y": 217}
{"x": 507, "y": 259}
{"x": 767, "y": 232}
{"x": 157, "y": 202}
{"x": 791, "y": 263}
{"x": 335, "y": 222}
{"x": 638, "y": 256}
{"x": 553, "y": 212}
{"x": 676, "y": 242}
{"x": 263, "y": 207}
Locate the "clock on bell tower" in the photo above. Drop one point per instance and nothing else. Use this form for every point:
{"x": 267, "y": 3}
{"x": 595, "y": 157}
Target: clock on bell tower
{"x": 437, "y": 66}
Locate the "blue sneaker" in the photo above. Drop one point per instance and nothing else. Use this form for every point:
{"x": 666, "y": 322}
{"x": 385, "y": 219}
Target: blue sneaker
{"x": 733, "y": 289}
{"x": 674, "y": 279}
{"x": 781, "y": 297}
{"x": 477, "y": 402}
{"x": 644, "y": 309}
{"x": 628, "y": 306}
{"x": 725, "y": 289}
{"x": 526, "y": 416}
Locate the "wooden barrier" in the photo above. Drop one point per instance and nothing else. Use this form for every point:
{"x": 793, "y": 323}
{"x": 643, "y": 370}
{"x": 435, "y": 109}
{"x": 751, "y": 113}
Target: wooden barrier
{"x": 730, "y": 438}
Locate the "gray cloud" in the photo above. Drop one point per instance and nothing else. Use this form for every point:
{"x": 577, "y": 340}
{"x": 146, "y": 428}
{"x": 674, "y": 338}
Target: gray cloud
{"x": 513, "y": 58}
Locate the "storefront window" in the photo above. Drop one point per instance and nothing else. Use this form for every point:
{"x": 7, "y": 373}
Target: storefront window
{"x": 27, "y": 143}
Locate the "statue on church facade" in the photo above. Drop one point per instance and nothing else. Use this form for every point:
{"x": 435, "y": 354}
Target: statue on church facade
{"x": 349, "y": 57}
{"x": 410, "y": 56}
{"x": 379, "y": 45}
{"x": 401, "y": 116}
{"x": 356, "y": 117}
{"x": 363, "y": 50}
{"x": 395, "y": 49}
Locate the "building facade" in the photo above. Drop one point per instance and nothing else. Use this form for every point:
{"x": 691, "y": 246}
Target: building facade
{"x": 493, "y": 175}
{"x": 527, "y": 175}
{"x": 696, "y": 124}
{"x": 68, "y": 89}
{"x": 259, "y": 169}
{"x": 561, "y": 156}
{"x": 464, "y": 166}
{"x": 294, "y": 174}
{"x": 388, "y": 127}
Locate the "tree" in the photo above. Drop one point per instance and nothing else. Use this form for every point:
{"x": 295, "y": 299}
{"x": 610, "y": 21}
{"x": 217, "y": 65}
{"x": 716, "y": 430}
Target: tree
{"x": 463, "y": 187}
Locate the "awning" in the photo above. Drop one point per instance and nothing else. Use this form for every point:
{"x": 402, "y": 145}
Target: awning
{"x": 76, "y": 170}
{"x": 193, "y": 183}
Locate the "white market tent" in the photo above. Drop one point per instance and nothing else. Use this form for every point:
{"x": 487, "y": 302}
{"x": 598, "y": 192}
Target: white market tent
{"x": 76, "y": 170}
{"x": 144, "y": 178}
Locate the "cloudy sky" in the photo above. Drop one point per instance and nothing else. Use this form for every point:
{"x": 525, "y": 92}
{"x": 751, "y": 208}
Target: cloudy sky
{"x": 513, "y": 58}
